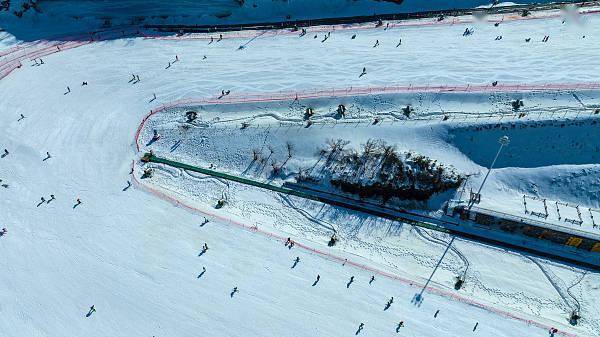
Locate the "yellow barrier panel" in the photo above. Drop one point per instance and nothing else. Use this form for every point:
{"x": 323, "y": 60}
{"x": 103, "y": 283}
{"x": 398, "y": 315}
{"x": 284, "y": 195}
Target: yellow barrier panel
{"x": 574, "y": 241}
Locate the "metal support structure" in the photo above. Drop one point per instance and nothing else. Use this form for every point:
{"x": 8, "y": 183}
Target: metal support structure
{"x": 504, "y": 140}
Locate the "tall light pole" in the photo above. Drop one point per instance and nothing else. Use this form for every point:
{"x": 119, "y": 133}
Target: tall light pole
{"x": 504, "y": 140}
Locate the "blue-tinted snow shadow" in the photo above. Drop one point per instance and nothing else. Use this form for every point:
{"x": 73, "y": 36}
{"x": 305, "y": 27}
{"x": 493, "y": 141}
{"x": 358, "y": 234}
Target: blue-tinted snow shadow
{"x": 532, "y": 143}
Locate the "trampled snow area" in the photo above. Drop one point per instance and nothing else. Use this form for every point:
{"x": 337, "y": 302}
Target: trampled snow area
{"x": 135, "y": 251}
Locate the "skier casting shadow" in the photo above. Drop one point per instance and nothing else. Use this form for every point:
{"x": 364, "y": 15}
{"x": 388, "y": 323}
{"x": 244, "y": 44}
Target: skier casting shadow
{"x": 388, "y": 304}
{"x": 360, "y": 327}
{"x": 204, "y": 250}
{"x": 295, "y": 262}
{"x": 92, "y": 310}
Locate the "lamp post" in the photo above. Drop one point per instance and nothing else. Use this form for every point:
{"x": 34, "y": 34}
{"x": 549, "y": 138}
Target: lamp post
{"x": 504, "y": 140}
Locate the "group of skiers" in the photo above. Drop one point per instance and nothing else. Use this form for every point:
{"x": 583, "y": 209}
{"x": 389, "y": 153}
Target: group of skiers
{"x": 289, "y": 243}
{"x": 42, "y": 199}
{"x": 52, "y": 198}
{"x": 212, "y": 39}
{"x": 176, "y": 60}
{"x": 388, "y": 304}
{"x": 134, "y": 79}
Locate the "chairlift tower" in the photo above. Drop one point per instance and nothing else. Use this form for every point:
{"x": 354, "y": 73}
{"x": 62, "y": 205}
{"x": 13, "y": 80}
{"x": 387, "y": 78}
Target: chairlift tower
{"x": 475, "y": 198}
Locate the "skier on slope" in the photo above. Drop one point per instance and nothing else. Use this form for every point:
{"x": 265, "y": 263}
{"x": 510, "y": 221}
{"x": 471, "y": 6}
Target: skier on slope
{"x": 363, "y": 73}
{"x": 92, "y": 310}
{"x": 156, "y": 135}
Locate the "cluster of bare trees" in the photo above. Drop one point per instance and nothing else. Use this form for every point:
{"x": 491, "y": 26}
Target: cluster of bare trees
{"x": 257, "y": 156}
{"x": 377, "y": 169}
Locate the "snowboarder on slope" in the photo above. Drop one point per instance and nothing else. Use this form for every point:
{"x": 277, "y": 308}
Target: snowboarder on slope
{"x": 364, "y": 72}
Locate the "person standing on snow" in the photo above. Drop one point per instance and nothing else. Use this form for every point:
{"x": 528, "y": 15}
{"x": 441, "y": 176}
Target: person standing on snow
{"x": 360, "y": 327}
{"x": 364, "y": 72}
{"x": 92, "y": 310}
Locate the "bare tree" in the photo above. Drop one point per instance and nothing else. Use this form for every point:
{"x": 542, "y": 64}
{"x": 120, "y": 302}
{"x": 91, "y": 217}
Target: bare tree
{"x": 369, "y": 147}
{"x": 335, "y": 147}
{"x": 276, "y": 168}
{"x": 388, "y": 150}
{"x": 290, "y": 149}
{"x": 255, "y": 154}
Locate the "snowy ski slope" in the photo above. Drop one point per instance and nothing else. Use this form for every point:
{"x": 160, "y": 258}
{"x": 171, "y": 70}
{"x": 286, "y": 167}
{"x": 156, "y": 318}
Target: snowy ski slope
{"x": 136, "y": 254}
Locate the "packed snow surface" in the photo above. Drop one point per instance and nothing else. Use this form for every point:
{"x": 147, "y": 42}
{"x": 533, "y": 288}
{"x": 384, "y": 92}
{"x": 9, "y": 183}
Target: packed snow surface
{"x": 132, "y": 247}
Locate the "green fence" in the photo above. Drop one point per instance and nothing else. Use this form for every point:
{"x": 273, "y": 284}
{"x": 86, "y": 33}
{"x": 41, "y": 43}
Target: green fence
{"x": 331, "y": 199}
